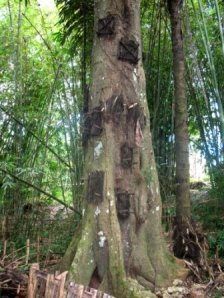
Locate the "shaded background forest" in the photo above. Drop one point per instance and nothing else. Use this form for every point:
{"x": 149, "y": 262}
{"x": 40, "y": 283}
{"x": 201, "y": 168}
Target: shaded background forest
{"x": 45, "y": 57}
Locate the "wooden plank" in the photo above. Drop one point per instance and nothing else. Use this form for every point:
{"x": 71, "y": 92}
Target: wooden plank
{"x": 32, "y": 284}
{"x": 51, "y": 287}
{"x": 79, "y": 291}
{"x": 71, "y": 290}
{"x": 46, "y": 285}
{"x": 94, "y": 293}
{"x": 62, "y": 279}
{"x": 41, "y": 284}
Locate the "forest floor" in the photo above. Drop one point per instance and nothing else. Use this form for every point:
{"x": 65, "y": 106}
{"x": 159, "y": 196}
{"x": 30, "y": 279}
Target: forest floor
{"x": 204, "y": 280}
{"x": 191, "y": 289}
{"x": 14, "y": 283}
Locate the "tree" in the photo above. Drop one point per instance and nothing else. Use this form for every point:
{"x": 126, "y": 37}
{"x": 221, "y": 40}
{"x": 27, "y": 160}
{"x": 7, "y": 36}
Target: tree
{"x": 120, "y": 244}
{"x": 183, "y": 212}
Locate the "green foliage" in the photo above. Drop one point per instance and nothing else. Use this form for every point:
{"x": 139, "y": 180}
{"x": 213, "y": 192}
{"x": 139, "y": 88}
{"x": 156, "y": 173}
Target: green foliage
{"x": 216, "y": 240}
{"x": 209, "y": 210}
{"x": 217, "y": 293}
{"x": 77, "y": 19}
{"x": 216, "y": 243}
{"x": 218, "y": 189}
{"x": 7, "y": 182}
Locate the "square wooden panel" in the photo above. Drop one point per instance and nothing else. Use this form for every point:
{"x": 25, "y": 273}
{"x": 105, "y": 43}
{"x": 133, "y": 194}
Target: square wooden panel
{"x": 96, "y": 122}
{"x": 106, "y": 26}
{"x": 95, "y": 187}
{"x": 126, "y": 156}
{"x": 128, "y": 50}
{"x": 123, "y": 204}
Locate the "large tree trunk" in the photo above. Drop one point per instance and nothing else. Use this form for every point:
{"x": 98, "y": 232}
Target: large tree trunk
{"x": 120, "y": 244}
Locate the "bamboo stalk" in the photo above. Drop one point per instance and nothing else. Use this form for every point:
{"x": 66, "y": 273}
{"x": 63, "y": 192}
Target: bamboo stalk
{"x": 4, "y": 236}
{"x": 220, "y": 25}
{"x": 13, "y": 250}
{"x": 206, "y": 42}
{"x": 38, "y": 249}
{"x": 27, "y": 251}
{"x": 31, "y": 293}
{"x": 4, "y": 249}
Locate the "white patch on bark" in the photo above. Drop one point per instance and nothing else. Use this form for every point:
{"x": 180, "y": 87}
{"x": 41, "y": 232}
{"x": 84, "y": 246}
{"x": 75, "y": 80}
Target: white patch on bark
{"x": 98, "y": 150}
{"x": 138, "y": 134}
{"x": 133, "y": 105}
{"x": 134, "y": 77}
{"x": 157, "y": 208}
{"x": 143, "y": 97}
{"x": 102, "y": 239}
{"x": 97, "y": 212}
{"x": 107, "y": 211}
{"x": 83, "y": 212}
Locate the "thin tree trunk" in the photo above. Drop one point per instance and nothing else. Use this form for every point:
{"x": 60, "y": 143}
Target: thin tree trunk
{"x": 185, "y": 244}
{"x": 183, "y": 212}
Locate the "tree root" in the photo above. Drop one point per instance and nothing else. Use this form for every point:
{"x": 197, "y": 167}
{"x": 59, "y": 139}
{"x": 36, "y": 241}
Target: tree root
{"x": 131, "y": 288}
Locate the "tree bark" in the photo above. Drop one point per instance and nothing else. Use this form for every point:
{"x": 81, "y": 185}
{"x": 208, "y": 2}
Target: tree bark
{"x": 184, "y": 235}
{"x": 181, "y": 115}
{"x": 120, "y": 247}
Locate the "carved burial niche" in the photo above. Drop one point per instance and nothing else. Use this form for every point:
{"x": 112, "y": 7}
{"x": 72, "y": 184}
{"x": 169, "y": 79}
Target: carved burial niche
{"x": 122, "y": 203}
{"x": 96, "y": 122}
{"x": 136, "y": 113}
{"x": 126, "y": 156}
{"x": 95, "y": 187}
{"x": 115, "y": 107}
{"x": 128, "y": 50}
{"x": 86, "y": 129}
{"x": 106, "y": 26}
{"x": 92, "y": 124}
